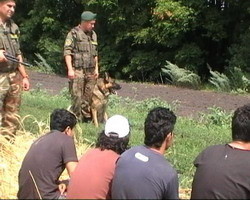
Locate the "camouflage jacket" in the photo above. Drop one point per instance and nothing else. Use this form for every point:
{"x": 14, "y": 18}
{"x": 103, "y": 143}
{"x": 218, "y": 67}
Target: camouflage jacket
{"x": 82, "y": 47}
{"x": 9, "y": 41}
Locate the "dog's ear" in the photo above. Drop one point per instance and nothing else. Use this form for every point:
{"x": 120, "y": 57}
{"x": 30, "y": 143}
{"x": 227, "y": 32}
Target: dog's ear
{"x": 106, "y": 75}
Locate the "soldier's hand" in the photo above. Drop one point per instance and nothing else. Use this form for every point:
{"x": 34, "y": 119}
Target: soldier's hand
{"x": 96, "y": 74}
{"x": 26, "y": 84}
{"x": 71, "y": 74}
{"x": 2, "y": 57}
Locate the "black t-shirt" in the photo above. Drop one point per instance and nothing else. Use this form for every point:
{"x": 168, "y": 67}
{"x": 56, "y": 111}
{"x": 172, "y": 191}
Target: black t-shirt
{"x": 223, "y": 172}
{"x": 45, "y": 161}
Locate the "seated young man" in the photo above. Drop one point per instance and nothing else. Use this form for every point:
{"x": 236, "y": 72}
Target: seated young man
{"x": 142, "y": 172}
{"x": 47, "y": 158}
{"x": 222, "y": 171}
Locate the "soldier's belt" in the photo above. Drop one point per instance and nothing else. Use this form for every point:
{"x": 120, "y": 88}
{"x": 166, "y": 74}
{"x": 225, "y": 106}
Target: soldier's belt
{"x": 88, "y": 70}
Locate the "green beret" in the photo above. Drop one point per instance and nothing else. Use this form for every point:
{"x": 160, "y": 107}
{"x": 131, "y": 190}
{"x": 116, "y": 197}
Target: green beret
{"x": 88, "y": 16}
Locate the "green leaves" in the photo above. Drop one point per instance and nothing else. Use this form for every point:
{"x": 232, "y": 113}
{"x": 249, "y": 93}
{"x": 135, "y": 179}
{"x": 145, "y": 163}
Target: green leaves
{"x": 136, "y": 37}
{"x": 171, "y": 19}
{"x": 180, "y": 76}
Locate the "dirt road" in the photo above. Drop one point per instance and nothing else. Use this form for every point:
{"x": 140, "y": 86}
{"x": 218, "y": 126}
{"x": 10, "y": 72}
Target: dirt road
{"x": 190, "y": 102}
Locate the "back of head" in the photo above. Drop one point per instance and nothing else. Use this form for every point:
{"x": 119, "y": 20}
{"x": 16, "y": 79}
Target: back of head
{"x": 60, "y": 119}
{"x": 241, "y": 124}
{"x": 115, "y": 135}
{"x": 158, "y": 124}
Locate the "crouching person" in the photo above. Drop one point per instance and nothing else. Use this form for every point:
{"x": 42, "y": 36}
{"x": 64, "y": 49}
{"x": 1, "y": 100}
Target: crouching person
{"x": 93, "y": 175}
{"x": 47, "y": 158}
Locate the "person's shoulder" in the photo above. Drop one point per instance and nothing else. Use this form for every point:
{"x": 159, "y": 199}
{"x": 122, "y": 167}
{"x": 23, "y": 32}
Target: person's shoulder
{"x": 11, "y": 22}
{"x": 211, "y": 150}
{"x": 128, "y": 151}
{"x": 214, "y": 147}
{"x": 134, "y": 148}
{"x": 58, "y": 134}
{"x": 12, "y": 25}
{"x": 75, "y": 29}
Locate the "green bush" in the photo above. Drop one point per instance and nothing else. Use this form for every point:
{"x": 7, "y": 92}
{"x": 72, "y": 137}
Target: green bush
{"x": 181, "y": 77}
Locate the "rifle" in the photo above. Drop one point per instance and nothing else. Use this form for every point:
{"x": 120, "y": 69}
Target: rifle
{"x": 14, "y": 59}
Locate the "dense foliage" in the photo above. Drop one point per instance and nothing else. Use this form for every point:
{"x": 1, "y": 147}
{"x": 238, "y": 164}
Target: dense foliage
{"x": 137, "y": 37}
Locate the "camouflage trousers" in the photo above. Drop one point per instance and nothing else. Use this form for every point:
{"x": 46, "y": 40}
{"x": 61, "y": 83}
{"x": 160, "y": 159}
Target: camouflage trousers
{"x": 10, "y": 100}
{"x": 81, "y": 90}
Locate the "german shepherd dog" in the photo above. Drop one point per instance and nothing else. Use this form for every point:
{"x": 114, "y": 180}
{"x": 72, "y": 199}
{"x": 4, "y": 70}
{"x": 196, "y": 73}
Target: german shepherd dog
{"x": 98, "y": 105}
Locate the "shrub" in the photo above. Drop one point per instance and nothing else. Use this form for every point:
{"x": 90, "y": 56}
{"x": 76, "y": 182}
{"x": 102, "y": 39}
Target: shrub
{"x": 181, "y": 77}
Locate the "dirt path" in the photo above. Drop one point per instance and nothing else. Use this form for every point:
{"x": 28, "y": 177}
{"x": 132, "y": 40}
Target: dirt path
{"x": 190, "y": 102}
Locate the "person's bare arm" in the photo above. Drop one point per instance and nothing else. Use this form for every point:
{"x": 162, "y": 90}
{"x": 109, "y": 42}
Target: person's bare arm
{"x": 62, "y": 186}
{"x": 68, "y": 61}
{"x": 26, "y": 83}
{"x": 70, "y": 166}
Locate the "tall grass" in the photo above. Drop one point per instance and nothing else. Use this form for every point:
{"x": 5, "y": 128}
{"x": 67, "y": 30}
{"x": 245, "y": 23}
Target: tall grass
{"x": 12, "y": 155}
{"x": 191, "y": 135}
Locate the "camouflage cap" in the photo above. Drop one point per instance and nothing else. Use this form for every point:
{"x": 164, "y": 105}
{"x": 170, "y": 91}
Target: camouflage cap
{"x": 88, "y": 16}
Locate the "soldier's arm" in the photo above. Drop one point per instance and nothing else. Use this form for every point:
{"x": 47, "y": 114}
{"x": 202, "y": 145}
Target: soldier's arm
{"x": 68, "y": 48}
{"x": 96, "y": 66}
{"x": 21, "y": 68}
{"x": 71, "y": 72}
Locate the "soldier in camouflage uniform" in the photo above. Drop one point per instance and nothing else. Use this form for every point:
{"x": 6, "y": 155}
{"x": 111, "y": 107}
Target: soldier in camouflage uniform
{"x": 80, "y": 52}
{"x": 13, "y": 77}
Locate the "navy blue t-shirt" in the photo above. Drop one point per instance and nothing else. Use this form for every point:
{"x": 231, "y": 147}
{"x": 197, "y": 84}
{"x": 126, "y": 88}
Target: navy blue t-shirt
{"x": 142, "y": 173}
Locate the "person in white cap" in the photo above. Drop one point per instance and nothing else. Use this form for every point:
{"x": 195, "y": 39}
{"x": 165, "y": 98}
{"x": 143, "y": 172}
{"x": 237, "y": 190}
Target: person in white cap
{"x": 93, "y": 175}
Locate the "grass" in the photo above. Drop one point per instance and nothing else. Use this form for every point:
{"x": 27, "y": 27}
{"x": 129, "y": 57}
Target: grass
{"x": 11, "y": 157}
{"x": 191, "y": 135}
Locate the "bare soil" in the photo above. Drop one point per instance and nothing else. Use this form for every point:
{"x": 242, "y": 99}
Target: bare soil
{"x": 189, "y": 102}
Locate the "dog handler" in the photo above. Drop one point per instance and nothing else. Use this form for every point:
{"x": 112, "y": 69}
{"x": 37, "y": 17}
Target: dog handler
{"x": 80, "y": 53}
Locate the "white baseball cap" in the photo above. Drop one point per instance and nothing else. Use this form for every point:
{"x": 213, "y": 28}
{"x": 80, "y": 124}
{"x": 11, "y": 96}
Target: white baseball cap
{"x": 117, "y": 124}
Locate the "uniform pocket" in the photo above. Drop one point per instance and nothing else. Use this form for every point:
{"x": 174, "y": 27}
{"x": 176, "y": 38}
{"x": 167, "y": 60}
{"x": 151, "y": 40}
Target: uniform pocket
{"x": 83, "y": 46}
{"x": 78, "y": 60}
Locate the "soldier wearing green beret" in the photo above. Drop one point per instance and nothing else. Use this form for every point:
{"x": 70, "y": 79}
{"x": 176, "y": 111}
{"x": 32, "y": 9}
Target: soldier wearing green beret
{"x": 80, "y": 53}
{"x": 13, "y": 77}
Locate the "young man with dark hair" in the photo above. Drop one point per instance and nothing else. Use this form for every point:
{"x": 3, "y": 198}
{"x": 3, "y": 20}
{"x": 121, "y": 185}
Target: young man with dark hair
{"x": 47, "y": 158}
{"x": 222, "y": 171}
{"x": 142, "y": 172}
{"x": 93, "y": 175}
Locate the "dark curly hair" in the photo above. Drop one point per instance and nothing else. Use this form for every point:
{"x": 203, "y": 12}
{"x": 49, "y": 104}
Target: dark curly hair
{"x": 118, "y": 145}
{"x": 158, "y": 124}
{"x": 241, "y": 124}
{"x": 60, "y": 119}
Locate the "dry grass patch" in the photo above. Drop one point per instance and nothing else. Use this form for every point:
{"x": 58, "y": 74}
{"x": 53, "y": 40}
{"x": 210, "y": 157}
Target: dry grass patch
{"x": 11, "y": 157}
